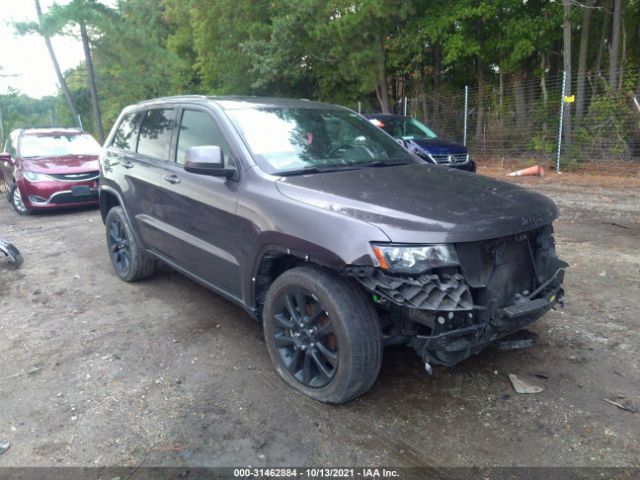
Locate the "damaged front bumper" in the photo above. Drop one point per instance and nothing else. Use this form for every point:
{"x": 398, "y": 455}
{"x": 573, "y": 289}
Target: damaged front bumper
{"x": 449, "y": 314}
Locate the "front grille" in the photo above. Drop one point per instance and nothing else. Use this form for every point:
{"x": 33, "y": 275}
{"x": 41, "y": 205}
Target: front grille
{"x": 499, "y": 268}
{"x": 75, "y": 177}
{"x": 64, "y": 198}
{"x": 450, "y": 158}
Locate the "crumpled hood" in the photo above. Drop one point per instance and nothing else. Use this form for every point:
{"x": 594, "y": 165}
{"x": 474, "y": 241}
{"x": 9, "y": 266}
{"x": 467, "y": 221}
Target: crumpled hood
{"x": 423, "y": 203}
{"x": 59, "y": 165}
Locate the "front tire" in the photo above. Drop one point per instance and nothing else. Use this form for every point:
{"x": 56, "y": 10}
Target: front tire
{"x": 129, "y": 260}
{"x": 322, "y": 334}
{"x": 15, "y": 197}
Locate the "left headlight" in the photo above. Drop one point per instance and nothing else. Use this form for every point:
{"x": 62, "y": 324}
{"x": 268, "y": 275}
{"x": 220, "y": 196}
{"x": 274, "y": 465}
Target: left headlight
{"x": 415, "y": 258}
{"x": 36, "y": 177}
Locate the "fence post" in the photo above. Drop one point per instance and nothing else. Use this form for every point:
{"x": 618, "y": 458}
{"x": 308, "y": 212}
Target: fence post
{"x": 359, "y": 107}
{"x": 404, "y": 109}
{"x": 564, "y": 82}
{"x": 80, "y": 122}
{"x": 466, "y": 111}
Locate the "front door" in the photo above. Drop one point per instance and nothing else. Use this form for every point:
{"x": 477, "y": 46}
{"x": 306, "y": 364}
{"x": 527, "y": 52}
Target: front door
{"x": 202, "y": 219}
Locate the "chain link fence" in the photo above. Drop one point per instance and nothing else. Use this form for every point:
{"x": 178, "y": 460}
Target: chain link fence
{"x": 516, "y": 123}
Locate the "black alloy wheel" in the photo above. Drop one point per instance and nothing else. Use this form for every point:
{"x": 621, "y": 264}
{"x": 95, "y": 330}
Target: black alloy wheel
{"x": 305, "y": 338}
{"x": 119, "y": 247}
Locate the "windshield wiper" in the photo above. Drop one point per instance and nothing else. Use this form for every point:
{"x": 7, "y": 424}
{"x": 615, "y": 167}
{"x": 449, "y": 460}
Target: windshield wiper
{"x": 336, "y": 168}
{"x": 304, "y": 171}
{"x": 380, "y": 163}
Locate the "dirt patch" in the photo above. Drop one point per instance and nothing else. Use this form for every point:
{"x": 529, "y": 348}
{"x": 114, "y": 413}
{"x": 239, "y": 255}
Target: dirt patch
{"x": 99, "y": 372}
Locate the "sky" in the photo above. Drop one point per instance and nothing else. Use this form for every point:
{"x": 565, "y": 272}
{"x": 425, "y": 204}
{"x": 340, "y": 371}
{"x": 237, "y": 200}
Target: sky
{"x": 25, "y": 58}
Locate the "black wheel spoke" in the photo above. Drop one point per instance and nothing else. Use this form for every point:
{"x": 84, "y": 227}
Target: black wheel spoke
{"x": 316, "y": 312}
{"x": 284, "y": 341}
{"x": 301, "y": 303}
{"x": 306, "y": 369}
{"x": 295, "y": 359}
{"x": 332, "y": 357}
{"x": 283, "y": 322}
{"x": 325, "y": 330}
{"x": 322, "y": 368}
{"x": 291, "y": 308}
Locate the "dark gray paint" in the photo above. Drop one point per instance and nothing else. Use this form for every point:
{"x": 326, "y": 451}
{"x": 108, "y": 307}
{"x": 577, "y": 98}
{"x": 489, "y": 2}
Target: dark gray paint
{"x": 216, "y": 230}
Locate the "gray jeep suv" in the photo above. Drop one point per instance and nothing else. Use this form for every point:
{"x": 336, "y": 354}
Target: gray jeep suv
{"x": 326, "y": 230}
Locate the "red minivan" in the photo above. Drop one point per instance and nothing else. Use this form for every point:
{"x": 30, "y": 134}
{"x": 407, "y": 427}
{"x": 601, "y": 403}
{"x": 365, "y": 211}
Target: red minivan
{"x": 50, "y": 168}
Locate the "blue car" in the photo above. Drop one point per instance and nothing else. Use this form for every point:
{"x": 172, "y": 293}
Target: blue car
{"x": 420, "y": 140}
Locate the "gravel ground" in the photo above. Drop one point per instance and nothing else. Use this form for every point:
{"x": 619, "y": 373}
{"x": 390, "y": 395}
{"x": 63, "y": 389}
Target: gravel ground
{"x": 95, "y": 371}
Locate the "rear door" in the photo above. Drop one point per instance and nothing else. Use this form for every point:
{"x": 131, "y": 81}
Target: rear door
{"x": 144, "y": 170}
{"x": 201, "y": 220}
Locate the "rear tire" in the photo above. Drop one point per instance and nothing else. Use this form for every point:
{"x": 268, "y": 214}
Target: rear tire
{"x": 129, "y": 260}
{"x": 322, "y": 334}
{"x": 15, "y": 197}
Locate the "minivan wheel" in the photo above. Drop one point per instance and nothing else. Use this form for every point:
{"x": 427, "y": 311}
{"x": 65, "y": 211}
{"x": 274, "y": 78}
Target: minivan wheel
{"x": 322, "y": 334}
{"x": 15, "y": 197}
{"x": 129, "y": 260}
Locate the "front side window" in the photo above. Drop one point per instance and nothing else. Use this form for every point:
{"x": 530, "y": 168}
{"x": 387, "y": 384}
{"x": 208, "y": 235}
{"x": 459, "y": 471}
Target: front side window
{"x": 155, "y": 133}
{"x": 292, "y": 139}
{"x": 58, "y": 145}
{"x": 125, "y": 137}
{"x": 198, "y": 129}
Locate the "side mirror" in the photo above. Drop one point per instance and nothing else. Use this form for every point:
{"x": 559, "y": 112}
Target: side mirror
{"x": 207, "y": 160}
{"x": 401, "y": 142}
{"x": 5, "y": 157}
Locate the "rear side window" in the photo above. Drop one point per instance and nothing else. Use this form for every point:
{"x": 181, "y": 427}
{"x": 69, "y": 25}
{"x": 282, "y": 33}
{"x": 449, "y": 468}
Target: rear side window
{"x": 155, "y": 133}
{"x": 125, "y": 137}
{"x": 197, "y": 129}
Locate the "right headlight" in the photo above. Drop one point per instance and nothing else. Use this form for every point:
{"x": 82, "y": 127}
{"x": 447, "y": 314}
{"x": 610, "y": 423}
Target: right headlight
{"x": 415, "y": 258}
{"x": 36, "y": 177}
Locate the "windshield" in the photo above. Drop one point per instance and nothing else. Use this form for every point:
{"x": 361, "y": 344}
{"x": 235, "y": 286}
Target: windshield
{"x": 297, "y": 139}
{"x": 406, "y": 128}
{"x": 58, "y": 145}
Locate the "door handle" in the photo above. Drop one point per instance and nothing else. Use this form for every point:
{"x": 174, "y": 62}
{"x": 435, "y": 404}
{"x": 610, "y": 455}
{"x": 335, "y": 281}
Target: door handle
{"x": 126, "y": 163}
{"x": 171, "y": 178}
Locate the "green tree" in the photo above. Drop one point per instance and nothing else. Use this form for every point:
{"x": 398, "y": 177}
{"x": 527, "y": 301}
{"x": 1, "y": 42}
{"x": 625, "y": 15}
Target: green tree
{"x": 83, "y": 14}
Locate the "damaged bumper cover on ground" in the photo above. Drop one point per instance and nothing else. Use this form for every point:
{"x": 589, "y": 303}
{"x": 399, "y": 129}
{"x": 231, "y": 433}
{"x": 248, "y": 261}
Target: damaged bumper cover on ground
{"x": 449, "y": 314}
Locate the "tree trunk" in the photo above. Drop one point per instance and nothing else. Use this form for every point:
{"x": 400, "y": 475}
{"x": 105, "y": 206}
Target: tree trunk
{"x": 56, "y": 67}
{"x": 615, "y": 45}
{"x": 624, "y": 56}
{"x": 519, "y": 98}
{"x": 582, "y": 60}
{"x": 423, "y": 96}
{"x": 383, "y": 89}
{"x": 603, "y": 38}
{"x": 566, "y": 61}
{"x": 95, "y": 106}
{"x": 543, "y": 88}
